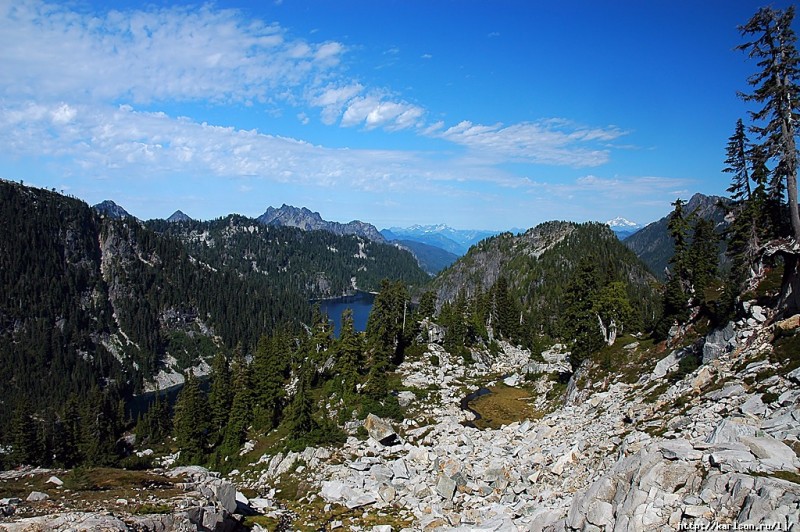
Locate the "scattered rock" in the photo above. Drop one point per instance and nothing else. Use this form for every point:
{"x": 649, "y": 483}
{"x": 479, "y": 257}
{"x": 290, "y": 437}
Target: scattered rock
{"x": 36, "y": 496}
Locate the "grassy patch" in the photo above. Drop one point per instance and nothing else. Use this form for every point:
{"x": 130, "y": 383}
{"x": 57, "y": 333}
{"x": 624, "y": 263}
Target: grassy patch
{"x": 503, "y": 406}
{"x": 87, "y": 489}
{"x": 627, "y": 365}
{"x": 150, "y": 508}
{"x": 656, "y": 392}
{"x": 265, "y": 522}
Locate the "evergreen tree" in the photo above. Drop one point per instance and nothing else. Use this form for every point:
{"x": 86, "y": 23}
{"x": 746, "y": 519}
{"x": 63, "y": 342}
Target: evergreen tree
{"x": 678, "y": 227}
{"x": 301, "y": 420}
{"x": 579, "y": 321}
{"x": 220, "y": 394}
{"x": 269, "y": 365}
{"x": 191, "y": 422}
{"x": 155, "y": 425}
{"x": 505, "y": 315}
{"x": 703, "y": 256}
{"x": 737, "y": 163}
{"x": 776, "y": 88}
{"x": 348, "y": 355}
{"x": 386, "y": 325}
{"x": 100, "y": 428}
{"x": 23, "y": 436}
{"x": 322, "y": 336}
{"x": 71, "y": 455}
{"x": 427, "y": 305}
{"x": 241, "y": 412}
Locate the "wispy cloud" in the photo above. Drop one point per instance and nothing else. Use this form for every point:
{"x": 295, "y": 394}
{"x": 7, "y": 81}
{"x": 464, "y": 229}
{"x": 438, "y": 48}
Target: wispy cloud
{"x": 105, "y": 141}
{"x": 554, "y": 142}
{"x": 175, "y": 54}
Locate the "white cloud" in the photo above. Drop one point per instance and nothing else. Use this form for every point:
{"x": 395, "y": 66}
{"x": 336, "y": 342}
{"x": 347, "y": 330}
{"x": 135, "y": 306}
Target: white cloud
{"x": 159, "y": 54}
{"x": 332, "y": 100}
{"x": 554, "y": 142}
{"x": 64, "y": 114}
{"x": 374, "y": 111}
{"x": 120, "y": 141}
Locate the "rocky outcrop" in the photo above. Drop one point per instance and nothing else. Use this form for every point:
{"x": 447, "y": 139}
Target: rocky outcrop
{"x": 307, "y": 220}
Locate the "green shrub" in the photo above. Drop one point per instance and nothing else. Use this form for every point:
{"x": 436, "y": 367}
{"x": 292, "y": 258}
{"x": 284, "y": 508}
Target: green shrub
{"x": 769, "y": 397}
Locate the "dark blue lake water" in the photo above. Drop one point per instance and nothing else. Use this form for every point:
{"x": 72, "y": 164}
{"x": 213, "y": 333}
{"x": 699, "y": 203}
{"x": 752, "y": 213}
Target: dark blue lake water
{"x": 361, "y": 303}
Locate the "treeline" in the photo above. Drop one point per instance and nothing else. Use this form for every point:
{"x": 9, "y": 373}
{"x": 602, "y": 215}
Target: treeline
{"x": 302, "y": 382}
{"x": 762, "y": 160}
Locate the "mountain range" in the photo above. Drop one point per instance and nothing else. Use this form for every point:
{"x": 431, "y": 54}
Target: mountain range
{"x": 305, "y": 219}
{"x": 93, "y": 295}
{"x": 436, "y": 247}
{"x": 455, "y": 241}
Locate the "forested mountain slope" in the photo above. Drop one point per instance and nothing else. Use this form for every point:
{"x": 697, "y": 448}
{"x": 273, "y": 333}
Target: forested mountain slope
{"x": 89, "y": 300}
{"x": 653, "y": 243}
{"x": 538, "y": 267}
{"x": 316, "y": 263}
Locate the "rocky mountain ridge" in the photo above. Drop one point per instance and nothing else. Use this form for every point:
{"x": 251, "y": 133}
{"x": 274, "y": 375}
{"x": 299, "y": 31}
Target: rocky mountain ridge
{"x": 307, "y": 220}
{"x": 538, "y": 266}
{"x": 112, "y": 210}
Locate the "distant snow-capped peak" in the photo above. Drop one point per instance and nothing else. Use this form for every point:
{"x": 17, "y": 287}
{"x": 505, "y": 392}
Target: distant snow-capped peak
{"x": 619, "y": 221}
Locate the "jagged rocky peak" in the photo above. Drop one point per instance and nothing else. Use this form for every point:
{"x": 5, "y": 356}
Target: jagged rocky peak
{"x": 308, "y": 220}
{"x": 112, "y": 210}
{"x": 179, "y": 216}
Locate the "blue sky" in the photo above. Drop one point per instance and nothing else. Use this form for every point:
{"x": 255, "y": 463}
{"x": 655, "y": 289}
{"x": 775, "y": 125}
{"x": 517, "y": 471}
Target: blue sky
{"x": 476, "y": 114}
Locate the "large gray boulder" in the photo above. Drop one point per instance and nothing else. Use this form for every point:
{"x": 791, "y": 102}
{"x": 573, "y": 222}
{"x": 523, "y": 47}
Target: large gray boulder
{"x": 718, "y": 343}
{"x": 380, "y": 430}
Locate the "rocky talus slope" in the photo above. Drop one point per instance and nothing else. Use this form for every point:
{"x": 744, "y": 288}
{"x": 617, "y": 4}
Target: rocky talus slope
{"x": 651, "y": 446}
{"x": 718, "y": 446}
